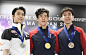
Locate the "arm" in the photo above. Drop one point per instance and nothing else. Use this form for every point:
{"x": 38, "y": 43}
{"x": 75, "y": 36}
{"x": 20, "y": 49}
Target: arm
{"x": 56, "y": 45}
{"x": 31, "y": 43}
{"x": 83, "y": 42}
{"x": 6, "y": 37}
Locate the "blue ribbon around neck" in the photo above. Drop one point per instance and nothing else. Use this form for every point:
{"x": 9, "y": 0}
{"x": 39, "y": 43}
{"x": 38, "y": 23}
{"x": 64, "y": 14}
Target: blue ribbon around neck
{"x": 19, "y": 34}
{"x": 72, "y": 35}
{"x": 46, "y": 39}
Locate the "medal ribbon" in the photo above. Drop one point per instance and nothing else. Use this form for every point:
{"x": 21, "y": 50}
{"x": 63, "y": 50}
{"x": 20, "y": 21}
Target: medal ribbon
{"x": 72, "y": 35}
{"x": 46, "y": 39}
{"x": 19, "y": 34}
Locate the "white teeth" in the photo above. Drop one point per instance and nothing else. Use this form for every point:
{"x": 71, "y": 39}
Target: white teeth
{"x": 20, "y": 19}
{"x": 68, "y": 19}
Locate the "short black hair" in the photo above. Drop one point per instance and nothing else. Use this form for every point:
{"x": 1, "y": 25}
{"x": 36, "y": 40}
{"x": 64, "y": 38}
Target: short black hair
{"x": 19, "y": 8}
{"x": 40, "y": 11}
{"x": 67, "y": 9}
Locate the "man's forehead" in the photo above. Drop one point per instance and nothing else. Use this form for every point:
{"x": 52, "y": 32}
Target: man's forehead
{"x": 66, "y": 12}
{"x": 43, "y": 13}
{"x": 19, "y": 11}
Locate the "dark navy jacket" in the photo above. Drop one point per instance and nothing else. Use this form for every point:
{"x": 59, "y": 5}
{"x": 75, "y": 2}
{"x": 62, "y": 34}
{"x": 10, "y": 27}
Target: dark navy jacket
{"x": 78, "y": 40}
{"x": 37, "y": 43}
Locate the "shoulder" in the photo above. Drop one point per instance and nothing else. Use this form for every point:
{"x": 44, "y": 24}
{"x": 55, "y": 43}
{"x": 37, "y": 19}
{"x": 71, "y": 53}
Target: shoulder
{"x": 33, "y": 32}
{"x": 7, "y": 31}
{"x": 78, "y": 29}
{"x": 52, "y": 31}
{"x": 59, "y": 30}
{"x": 6, "y": 34}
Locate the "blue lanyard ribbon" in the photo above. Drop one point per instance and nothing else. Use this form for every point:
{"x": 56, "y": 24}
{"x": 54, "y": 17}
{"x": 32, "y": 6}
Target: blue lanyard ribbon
{"x": 19, "y": 33}
{"x": 46, "y": 39}
{"x": 72, "y": 35}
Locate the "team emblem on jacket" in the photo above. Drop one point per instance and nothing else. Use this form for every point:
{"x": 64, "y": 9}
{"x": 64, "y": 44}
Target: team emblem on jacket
{"x": 13, "y": 31}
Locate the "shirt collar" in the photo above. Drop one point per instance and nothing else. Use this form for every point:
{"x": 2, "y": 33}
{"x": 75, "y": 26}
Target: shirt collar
{"x": 19, "y": 26}
{"x": 44, "y": 29}
{"x": 71, "y": 27}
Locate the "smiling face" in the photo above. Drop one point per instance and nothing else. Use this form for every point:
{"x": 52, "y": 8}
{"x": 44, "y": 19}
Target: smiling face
{"x": 42, "y": 19}
{"x": 18, "y": 16}
{"x": 67, "y": 17}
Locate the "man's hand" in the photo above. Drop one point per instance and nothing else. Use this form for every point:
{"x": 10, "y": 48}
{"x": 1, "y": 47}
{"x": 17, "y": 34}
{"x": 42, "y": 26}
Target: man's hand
{"x": 5, "y": 52}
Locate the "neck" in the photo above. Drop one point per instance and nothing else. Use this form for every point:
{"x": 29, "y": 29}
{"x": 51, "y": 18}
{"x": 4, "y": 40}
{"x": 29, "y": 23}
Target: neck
{"x": 43, "y": 27}
{"x": 17, "y": 24}
{"x": 68, "y": 25}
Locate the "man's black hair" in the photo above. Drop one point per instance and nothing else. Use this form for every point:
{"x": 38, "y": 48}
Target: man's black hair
{"x": 20, "y": 8}
{"x": 40, "y": 11}
{"x": 67, "y": 9}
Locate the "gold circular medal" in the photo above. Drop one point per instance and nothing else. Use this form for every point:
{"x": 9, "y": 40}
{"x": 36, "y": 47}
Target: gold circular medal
{"x": 71, "y": 45}
{"x": 47, "y": 45}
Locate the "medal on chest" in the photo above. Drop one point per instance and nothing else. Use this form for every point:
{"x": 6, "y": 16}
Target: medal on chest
{"x": 70, "y": 44}
{"x": 22, "y": 45}
{"x": 47, "y": 44}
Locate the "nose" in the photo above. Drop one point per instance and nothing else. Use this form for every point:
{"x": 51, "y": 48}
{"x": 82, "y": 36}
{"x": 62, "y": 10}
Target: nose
{"x": 21, "y": 15}
{"x": 67, "y": 16}
{"x": 43, "y": 18}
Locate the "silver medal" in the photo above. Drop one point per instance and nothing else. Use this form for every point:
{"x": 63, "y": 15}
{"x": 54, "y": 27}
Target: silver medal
{"x": 71, "y": 45}
{"x": 22, "y": 45}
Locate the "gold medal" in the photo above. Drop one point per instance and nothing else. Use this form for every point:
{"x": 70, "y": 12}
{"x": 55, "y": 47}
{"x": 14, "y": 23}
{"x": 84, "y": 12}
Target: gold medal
{"x": 71, "y": 45}
{"x": 47, "y": 45}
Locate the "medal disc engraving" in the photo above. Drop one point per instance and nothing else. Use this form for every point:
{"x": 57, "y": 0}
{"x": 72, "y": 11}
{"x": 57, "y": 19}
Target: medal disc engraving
{"x": 47, "y": 45}
{"x": 71, "y": 45}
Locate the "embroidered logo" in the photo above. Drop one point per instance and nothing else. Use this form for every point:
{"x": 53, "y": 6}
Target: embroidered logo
{"x": 13, "y": 31}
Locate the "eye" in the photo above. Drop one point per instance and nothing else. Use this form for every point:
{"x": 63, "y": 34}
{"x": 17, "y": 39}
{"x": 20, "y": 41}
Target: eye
{"x": 64, "y": 14}
{"x": 22, "y": 14}
{"x": 45, "y": 15}
{"x": 40, "y": 15}
{"x": 69, "y": 13}
{"x": 18, "y": 13}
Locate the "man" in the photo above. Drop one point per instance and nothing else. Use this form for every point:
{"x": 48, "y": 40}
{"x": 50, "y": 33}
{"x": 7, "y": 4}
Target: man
{"x": 14, "y": 39}
{"x": 71, "y": 38}
{"x": 43, "y": 41}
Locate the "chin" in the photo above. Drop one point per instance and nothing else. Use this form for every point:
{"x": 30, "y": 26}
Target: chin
{"x": 19, "y": 22}
{"x": 67, "y": 23}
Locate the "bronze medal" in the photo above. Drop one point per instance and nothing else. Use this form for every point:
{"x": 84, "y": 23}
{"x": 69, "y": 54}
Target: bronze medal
{"x": 71, "y": 45}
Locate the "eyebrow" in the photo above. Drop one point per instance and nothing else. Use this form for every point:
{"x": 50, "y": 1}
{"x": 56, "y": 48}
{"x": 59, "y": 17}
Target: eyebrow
{"x": 66, "y": 13}
{"x": 20, "y": 12}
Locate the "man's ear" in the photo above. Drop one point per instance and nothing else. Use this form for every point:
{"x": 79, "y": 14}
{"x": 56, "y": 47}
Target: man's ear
{"x": 48, "y": 19}
{"x": 13, "y": 16}
{"x": 37, "y": 19}
{"x": 72, "y": 17}
{"x": 62, "y": 18}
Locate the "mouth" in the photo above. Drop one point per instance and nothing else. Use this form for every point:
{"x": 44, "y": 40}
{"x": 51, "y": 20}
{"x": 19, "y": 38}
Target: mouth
{"x": 43, "y": 21}
{"x": 67, "y": 19}
{"x": 20, "y": 19}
